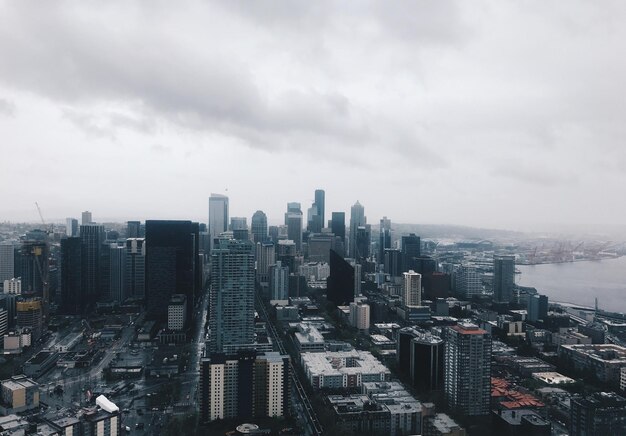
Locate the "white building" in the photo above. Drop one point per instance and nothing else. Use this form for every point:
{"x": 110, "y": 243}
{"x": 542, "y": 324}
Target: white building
{"x": 13, "y": 286}
{"x": 412, "y": 289}
{"x": 360, "y": 315}
{"x": 177, "y": 312}
{"x": 342, "y": 369}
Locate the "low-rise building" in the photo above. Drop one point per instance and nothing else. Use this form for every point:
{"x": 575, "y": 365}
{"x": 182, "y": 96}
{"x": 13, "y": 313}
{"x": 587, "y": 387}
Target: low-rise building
{"x": 19, "y": 393}
{"x": 606, "y": 361}
{"x": 342, "y": 369}
{"x": 308, "y": 339}
{"x": 603, "y": 413}
{"x": 552, "y": 378}
{"x": 520, "y": 422}
{"x": 441, "y": 424}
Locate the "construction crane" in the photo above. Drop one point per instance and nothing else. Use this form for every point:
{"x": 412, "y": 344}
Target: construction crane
{"x": 49, "y": 229}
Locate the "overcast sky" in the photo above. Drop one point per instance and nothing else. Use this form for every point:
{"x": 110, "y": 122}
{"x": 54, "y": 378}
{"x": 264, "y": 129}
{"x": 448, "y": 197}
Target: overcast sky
{"x": 495, "y": 114}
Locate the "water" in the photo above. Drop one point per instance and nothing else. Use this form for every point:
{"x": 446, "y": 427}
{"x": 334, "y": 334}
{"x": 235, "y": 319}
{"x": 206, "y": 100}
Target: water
{"x": 580, "y": 282}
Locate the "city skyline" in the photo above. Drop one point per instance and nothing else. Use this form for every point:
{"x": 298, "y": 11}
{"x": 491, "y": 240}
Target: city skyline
{"x": 457, "y": 97}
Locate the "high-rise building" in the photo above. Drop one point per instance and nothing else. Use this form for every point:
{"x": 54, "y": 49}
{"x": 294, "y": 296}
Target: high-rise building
{"x": 360, "y": 315}
{"x": 92, "y": 237}
{"x": 602, "y": 413}
{"x": 71, "y": 227}
{"x": 468, "y": 282}
{"x": 265, "y": 257}
{"x": 133, "y": 229}
{"x": 218, "y": 215}
{"x": 33, "y": 266}
{"x": 286, "y": 253}
{"x": 393, "y": 262}
{"x": 503, "y": 278}
{"x": 73, "y": 301}
{"x": 293, "y": 221}
{"x": 13, "y": 286}
{"x": 320, "y": 203}
{"x": 117, "y": 270}
{"x": 467, "y": 370}
{"x": 7, "y": 260}
{"x": 319, "y": 247}
{"x": 537, "y": 307}
{"x": 86, "y": 218}
{"x": 412, "y": 289}
{"x": 357, "y": 219}
{"x": 239, "y": 227}
{"x": 279, "y": 281}
{"x": 420, "y": 356}
{"x": 384, "y": 238}
{"x": 177, "y": 312}
{"x": 244, "y": 386}
{"x": 363, "y": 241}
{"x": 338, "y": 225}
{"x": 340, "y": 282}
{"x": 259, "y": 227}
{"x": 135, "y": 272}
{"x": 30, "y": 315}
{"x": 171, "y": 265}
{"x": 411, "y": 249}
{"x": 232, "y": 296}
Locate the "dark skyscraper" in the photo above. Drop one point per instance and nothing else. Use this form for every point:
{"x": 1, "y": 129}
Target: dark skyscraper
{"x": 231, "y": 317}
{"x": 293, "y": 221}
{"x": 135, "y": 271}
{"x": 363, "y": 240}
{"x": 320, "y": 202}
{"x": 537, "y": 307}
{"x": 340, "y": 283}
{"x": 503, "y": 278}
{"x": 133, "y": 229}
{"x": 72, "y": 299}
{"x": 384, "y": 239}
{"x": 171, "y": 259}
{"x": 33, "y": 262}
{"x": 357, "y": 219}
{"x": 92, "y": 237}
{"x": 258, "y": 226}
{"x": 411, "y": 248}
{"x": 338, "y": 225}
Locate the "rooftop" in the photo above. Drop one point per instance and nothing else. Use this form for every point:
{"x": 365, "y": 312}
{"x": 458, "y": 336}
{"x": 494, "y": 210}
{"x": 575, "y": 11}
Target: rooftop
{"x": 342, "y": 362}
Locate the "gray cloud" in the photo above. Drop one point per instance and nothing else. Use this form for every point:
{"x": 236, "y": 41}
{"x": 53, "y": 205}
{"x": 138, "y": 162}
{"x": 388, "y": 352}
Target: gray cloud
{"x": 7, "y": 107}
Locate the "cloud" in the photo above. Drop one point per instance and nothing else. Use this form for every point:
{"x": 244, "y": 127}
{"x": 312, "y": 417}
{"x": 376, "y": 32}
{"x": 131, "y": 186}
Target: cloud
{"x": 7, "y": 107}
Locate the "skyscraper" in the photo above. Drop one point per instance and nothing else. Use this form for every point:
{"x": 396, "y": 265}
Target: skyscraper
{"x": 537, "y": 307}
{"x": 357, "y": 219}
{"x": 503, "y": 278}
{"x": 92, "y": 237}
{"x": 133, "y": 229}
{"x": 384, "y": 239}
{"x": 467, "y": 370}
{"x": 412, "y": 289}
{"x": 135, "y": 271}
{"x": 279, "y": 282}
{"x": 72, "y": 299}
{"x": 71, "y": 227}
{"x": 86, "y": 218}
{"x": 7, "y": 261}
{"x": 171, "y": 264}
{"x": 265, "y": 257}
{"x": 320, "y": 203}
{"x": 218, "y": 215}
{"x": 340, "y": 283}
{"x": 259, "y": 227}
{"x": 117, "y": 270}
{"x": 239, "y": 227}
{"x": 411, "y": 248}
{"x": 363, "y": 241}
{"x": 232, "y": 296}
{"x": 338, "y": 225}
{"x": 467, "y": 281}
{"x": 293, "y": 221}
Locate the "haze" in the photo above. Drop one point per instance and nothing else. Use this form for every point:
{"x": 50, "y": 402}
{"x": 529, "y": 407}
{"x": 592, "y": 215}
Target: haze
{"x": 492, "y": 114}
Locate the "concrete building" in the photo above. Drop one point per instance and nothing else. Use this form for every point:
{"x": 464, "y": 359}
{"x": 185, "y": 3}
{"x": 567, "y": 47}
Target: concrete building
{"x": 342, "y": 369}
{"x": 279, "y": 282}
{"x": 13, "y": 286}
{"x": 30, "y": 315}
{"x": 467, "y": 369}
{"x": 521, "y": 422}
{"x": 606, "y": 361}
{"x": 177, "y": 312}
{"x": 265, "y": 257}
{"x": 468, "y": 282}
{"x": 258, "y": 225}
{"x": 7, "y": 261}
{"x": 218, "y": 215}
{"x": 441, "y": 424}
{"x": 360, "y": 316}
{"x": 537, "y": 307}
{"x": 599, "y": 414}
{"x": 135, "y": 269}
{"x": 309, "y": 339}
{"x": 293, "y": 221}
{"x": 71, "y": 227}
{"x": 19, "y": 393}
{"x": 412, "y": 289}
{"x": 503, "y": 278}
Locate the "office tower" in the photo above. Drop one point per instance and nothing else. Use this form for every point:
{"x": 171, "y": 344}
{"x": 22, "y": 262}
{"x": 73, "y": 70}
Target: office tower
{"x": 239, "y": 227}
{"x": 104, "y": 273}
{"x": 135, "y": 271}
{"x": 232, "y": 296}
{"x": 320, "y": 246}
{"x": 218, "y": 215}
{"x": 314, "y": 221}
{"x": 393, "y": 262}
{"x": 503, "y": 278}
{"x": 259, "y": 227}
{"x": 360, "y": 315}
{"x": 357, "y": 219}
{"x": 363, "y": 241}
{"x": 358, "y": 274}
{"x": 177, "y": 312}
{"x": 537, "y": 307}
{"x": 279, "y": 282}
{"x": 30, "y": 315}
{"x": 320, "y": 203}
{"x": 243, "y": 386}
{"x": 171, "y": 264}
{"x": 340, "y": 282}
{"x": 468, "y": 282}
{"x": 265, "y": 257}
{"x": 467, "y": 369}
{"x": 601, "y": 413}
{"x": 71, "y": 227}
{"x": 297, "y": 285}
{"x": 420, "y": 356}
{"x": 293, "y": 221}
{"x": 92, "y": 237}
{"x": 117, "y": 270}
{"x": 286, "y": 253}
{"x": 412, "y": 289}
{"x": 7, "y": 260}
{"x": 73, "y": 301}
{"x": 384, "y": 238}
{"x": 86, "y": 218}
{"x": 133, "y": 229}
{"x": 411, "y": 248}
{"x": 33, "y": 266}
{"x": 338, "y": 225}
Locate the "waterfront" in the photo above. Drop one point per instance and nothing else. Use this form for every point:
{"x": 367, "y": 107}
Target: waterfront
{"x": 580, "y": 282}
